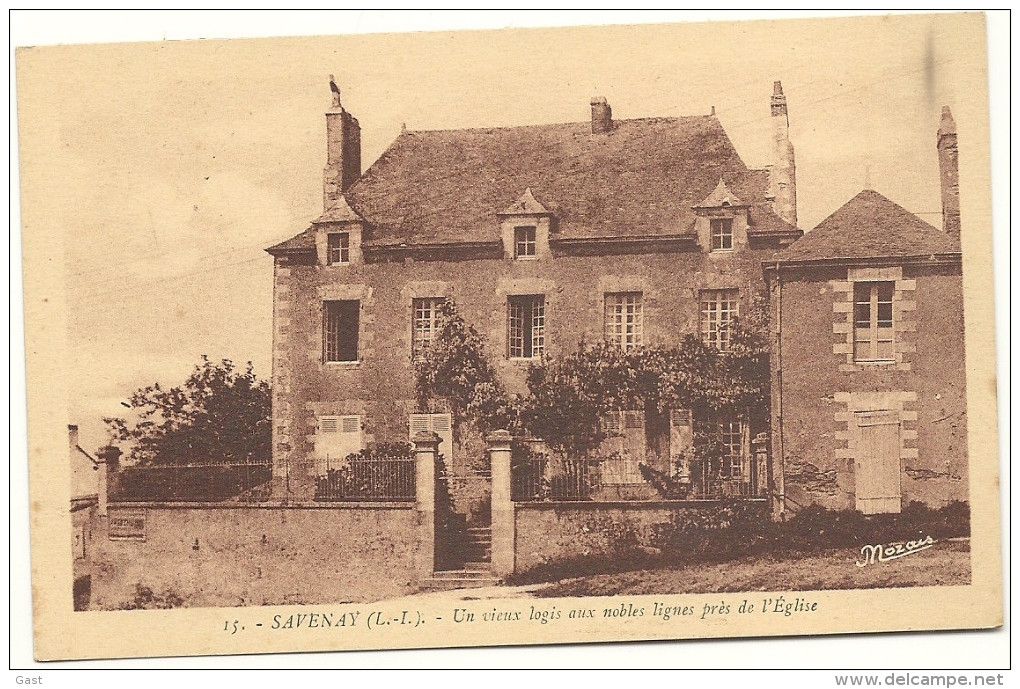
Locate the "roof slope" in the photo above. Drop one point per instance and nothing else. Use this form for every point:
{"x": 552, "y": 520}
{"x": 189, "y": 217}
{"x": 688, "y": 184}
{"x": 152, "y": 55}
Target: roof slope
{"x": 640, "y": 179}
{"x": 870, "y": 226}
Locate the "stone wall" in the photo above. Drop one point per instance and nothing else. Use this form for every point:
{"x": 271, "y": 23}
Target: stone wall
{"x": 231, "y": 556}
{"x": 821, "y": 387}
{"x": 556, "y": 531}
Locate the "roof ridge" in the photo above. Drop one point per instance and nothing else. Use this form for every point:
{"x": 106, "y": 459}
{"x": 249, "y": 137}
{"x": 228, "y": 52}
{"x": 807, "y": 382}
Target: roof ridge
{"x": 672, "y": 118}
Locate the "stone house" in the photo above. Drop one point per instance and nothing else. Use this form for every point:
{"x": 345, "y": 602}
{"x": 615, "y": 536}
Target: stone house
{"x": 635, "y": 231}
{"x": 868, "y": 364}
{"x": 87, "y": 489}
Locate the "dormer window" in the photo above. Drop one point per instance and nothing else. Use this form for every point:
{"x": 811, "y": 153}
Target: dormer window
{"x": 338, "y": 248}
{"x": 524, "y": 242}
{"x": 722, "y": 234}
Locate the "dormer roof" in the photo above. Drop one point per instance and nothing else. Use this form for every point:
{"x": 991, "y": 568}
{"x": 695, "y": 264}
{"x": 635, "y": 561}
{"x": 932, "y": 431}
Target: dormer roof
{"x": 527, "y": 204}
{"x": 340, "y": 211}
{"x": 721, "y": 197}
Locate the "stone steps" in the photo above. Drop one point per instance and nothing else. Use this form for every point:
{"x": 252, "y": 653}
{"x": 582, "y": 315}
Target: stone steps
{"x": 474, "y": 575}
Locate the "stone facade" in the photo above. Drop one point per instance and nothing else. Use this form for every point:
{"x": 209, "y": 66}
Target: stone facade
{"x": 570, "y": 264}
{"x": 820, "y": 394}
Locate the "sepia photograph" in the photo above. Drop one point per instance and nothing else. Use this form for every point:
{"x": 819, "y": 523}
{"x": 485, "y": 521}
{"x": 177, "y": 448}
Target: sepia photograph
{"x": 521, "y": 336}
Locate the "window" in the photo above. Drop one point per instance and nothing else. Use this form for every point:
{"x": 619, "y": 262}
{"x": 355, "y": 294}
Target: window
{"x": 524, "y": 242}
{"x": 336, "y": 439}
{"x": 624, "y": 324}
{"x": 526, "y": 327}
{"x": 731, "y": 437}
{"x": 338, "y": 247}
{"x": 873, "y": 321}
{"x": 722, "y": 234}
{"x": 340, "y": 330}
{"x": 718, "y": 309}
{"x": 424, "y": 323}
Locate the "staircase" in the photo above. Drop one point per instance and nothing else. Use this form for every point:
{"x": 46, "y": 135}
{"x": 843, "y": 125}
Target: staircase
{"x": 476, "y": 568}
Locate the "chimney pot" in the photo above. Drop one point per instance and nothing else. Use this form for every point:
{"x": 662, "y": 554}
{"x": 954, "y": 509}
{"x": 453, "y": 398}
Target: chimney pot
{"x": 601, "y": 115}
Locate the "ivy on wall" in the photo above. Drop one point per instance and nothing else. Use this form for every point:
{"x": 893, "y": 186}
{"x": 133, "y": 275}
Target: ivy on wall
{"x": 568, "y": 396}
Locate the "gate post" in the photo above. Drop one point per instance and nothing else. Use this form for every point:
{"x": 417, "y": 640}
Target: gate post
{"x": 426, "y": 445}
{"x": 503, "y": 522}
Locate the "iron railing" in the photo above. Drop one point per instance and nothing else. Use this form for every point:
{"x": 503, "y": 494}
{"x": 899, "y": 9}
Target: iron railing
{"x": 246, "y": 481}
{"x": 545, "y": 478}
{"x": 359, "y": 478}
{"x": 539, "y": 477}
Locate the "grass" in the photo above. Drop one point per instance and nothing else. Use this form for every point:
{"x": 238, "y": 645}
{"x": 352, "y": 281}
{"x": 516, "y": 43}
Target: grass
{"x": 945, "y": 564}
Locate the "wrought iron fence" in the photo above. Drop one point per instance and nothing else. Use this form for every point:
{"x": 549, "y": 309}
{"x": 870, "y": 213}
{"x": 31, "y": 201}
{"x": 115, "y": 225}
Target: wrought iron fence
{"x": 540, "y": 477}
{"x": 246, "y": 481}
{"x": 358, "y": 478}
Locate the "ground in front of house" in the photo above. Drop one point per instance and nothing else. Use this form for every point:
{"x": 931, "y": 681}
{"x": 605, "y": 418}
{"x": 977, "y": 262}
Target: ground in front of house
{"x": 947, "y": 563}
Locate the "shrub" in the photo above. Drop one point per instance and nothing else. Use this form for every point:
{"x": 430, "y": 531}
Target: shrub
{"x": 145, "y": 599}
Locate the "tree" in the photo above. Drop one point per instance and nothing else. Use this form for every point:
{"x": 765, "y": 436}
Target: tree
{"x": 455, "y": 367}
{"x": 219, "y": 414}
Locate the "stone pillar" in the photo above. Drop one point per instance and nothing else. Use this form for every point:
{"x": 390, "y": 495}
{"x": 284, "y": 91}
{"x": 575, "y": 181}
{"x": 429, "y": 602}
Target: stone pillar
{"x": 426, "y": 447}
{"x": 503, "y": 522}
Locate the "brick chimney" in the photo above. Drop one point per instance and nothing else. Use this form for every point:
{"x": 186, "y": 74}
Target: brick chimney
{"x": 783, "y": 174}
{"x": 601, "y": 115}
{"x": 949, "y": 173}
{"x": 343, "y": 151}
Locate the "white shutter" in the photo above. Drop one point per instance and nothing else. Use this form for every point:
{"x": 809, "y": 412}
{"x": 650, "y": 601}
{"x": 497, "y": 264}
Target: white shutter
{"x": 441, "y": 424}
{"x": 337, "y": 437}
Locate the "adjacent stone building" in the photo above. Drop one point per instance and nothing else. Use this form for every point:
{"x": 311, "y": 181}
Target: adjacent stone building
{"x": 869, "y": 406}
{"x": 637, "y": 231}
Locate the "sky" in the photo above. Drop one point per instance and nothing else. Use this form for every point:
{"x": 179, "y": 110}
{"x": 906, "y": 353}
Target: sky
{"x": 164, "y": 169}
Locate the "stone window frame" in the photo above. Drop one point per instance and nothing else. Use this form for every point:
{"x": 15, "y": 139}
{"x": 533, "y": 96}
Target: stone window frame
{"x": 529, "y": 242}
{"x": 615, "y": 327}
{"x": 419, "y": 289}
{"x": 904, "y": 320}
{"x": 342, "y": 247}
{"x": 499, "y": 325}
{"x": 535, "y": 331}
{"x": 724, "y": 233}
{"x": 366, "y": 319}
{"x": 720, "y": 341}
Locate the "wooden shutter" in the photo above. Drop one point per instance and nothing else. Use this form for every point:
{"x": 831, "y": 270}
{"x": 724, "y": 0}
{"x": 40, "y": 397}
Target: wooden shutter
{"x": 877, "y": 462}
{"x": 337, "y": 437}
{"x": 441, "y": 424}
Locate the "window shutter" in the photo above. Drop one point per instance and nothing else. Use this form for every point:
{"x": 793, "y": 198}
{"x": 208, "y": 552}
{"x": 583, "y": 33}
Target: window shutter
{"x": 441, "y": 424}
{"x": 419, "y": 423}
{"x": 338, "y": 437}
{"x": 611, "y": 423}
{"x": 633, "y": 419}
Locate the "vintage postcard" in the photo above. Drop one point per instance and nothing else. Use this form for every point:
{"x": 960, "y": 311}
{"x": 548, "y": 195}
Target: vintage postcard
{"x": 509, "y": 337}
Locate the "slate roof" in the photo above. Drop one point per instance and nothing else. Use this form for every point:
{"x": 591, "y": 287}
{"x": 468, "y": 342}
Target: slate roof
{"x": 870, "y": 226}
{"x": 641, "y": 179}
